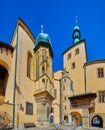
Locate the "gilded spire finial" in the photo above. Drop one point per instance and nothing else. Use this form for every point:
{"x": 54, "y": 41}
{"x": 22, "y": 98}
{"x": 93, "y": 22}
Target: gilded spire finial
{"x": 76, "y": 21}
{"x": 42, "y": 28}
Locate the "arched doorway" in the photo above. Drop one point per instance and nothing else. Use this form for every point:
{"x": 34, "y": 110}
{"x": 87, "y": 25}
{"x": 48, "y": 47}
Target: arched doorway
{"x": 51, "y": 119}
{"x": 66, "y": 119}
{"x": 76, "y": 118}
{"x": 97, "y": 121}
{"x": 3, "y": 82}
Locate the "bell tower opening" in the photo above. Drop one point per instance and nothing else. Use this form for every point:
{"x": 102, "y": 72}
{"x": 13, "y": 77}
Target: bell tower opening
{"x": 3, "y": 82}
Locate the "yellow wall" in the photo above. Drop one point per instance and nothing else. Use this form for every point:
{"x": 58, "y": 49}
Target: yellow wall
{"x": 56, "y": 102}
{"x": 77, "y": 73}
{"x": 95, "y": 84}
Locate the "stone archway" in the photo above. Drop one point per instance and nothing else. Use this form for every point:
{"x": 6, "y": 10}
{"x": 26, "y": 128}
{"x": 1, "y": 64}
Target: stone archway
{"x": 97, "y": 121}
{"x": 3, "y": 82}
{"x": 76, "y": 118}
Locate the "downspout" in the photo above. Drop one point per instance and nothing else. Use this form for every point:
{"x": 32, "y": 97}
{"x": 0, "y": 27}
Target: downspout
{"x": 60, "y": 104}
{"x": 15, "y": 72}
{"x": 85, "y": 78}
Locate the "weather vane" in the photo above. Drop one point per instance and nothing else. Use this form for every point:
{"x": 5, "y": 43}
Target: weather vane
{"x": 42, "y": 28}
{"x": 76, "y": 21}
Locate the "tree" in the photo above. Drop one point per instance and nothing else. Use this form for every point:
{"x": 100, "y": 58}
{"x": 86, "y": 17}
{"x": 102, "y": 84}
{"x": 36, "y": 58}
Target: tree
{"x": 5, "y": 120}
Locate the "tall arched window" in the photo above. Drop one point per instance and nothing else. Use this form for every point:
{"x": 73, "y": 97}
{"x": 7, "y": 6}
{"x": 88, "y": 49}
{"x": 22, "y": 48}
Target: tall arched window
{"x": 43, "y": 56}
{"x": 29, "y": 60}
{"x": 43, "y": 70}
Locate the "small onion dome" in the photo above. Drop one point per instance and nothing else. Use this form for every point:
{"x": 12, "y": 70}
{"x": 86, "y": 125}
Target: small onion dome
{"x": 43, "y": 39}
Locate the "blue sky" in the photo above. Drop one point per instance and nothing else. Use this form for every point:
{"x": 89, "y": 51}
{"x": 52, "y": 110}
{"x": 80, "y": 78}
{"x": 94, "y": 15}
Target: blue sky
{"x": 58, "y": 18}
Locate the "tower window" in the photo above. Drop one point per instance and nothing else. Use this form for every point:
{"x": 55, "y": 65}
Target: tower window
{"x": 101, "y": 96}
{"x": 69, "y": 56}
{"x": 76, "y": 34}
{"x": 71, "y": 85}
{"x": 63, "y": 87}
{"x": 29, "y": 69}
{"x": 52, "y": 110}
{"x": 65, "y": 98}
{"x": 73, "y": 65}
{"x": 100, "y": 72}
{"x": 43, "y": 70}
{"x": 43, "y": 82}
{"x": 44, "y": 57}
{"x": 77, "y": 51}
{"x": 64, "y": 80}
{"x": 55, "y": 93}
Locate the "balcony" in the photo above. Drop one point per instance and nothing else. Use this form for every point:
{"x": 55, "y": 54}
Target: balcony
{"x": 86, "y": 100}
{"x": 83, "y": 105}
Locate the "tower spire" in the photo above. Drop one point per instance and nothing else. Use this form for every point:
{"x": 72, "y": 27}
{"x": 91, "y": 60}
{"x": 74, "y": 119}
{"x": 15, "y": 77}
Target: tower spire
{"x": 76, "y": 32}
{"x": 42, "y": 28}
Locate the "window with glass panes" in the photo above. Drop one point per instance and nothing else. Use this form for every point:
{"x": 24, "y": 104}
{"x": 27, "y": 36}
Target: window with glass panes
{"x": 101, "y": 96}
{"x": 100, "y": 72}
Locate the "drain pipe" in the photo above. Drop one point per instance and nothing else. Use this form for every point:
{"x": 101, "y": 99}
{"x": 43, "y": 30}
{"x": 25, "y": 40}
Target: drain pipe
{"x": 15, "y": 72}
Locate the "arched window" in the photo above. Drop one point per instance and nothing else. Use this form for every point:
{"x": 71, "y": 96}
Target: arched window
{"x": 43, "y": 70}
{"x": 43, "y": 82}
{"x": 43, "y": 57}
{"x": 29, "y": 60}
{"x": 97, "y": 121}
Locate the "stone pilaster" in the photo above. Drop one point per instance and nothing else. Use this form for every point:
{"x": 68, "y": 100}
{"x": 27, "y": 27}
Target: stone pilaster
{"x": 43, "y": 108}
{"x": 85, "y": 118}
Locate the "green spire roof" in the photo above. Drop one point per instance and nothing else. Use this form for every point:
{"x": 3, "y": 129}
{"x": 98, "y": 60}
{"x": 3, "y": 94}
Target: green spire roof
{"x": 43, "y": 37}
